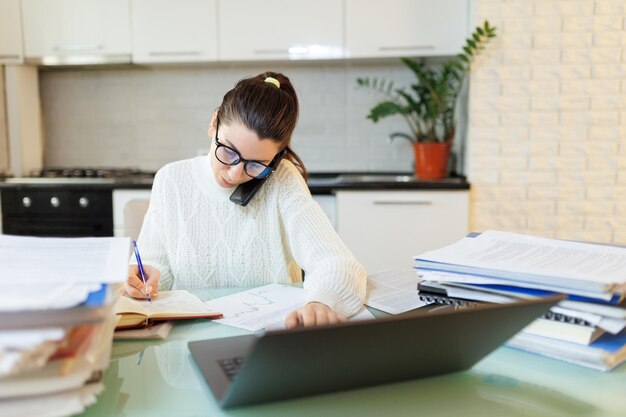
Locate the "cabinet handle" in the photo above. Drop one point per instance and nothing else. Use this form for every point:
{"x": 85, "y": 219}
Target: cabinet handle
{"x": 9, "y": 56}
{"x": 78, "y": 48}
{"x": 406, "y": 48}
{"x": 402, "y": 203}
{"x": 270, "y": 51}
{"x": 174, "y": 53}
{"x": 55, "y": 202}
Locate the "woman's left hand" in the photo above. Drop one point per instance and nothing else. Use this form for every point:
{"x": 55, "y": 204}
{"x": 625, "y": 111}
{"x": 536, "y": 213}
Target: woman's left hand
{"x": 312, "y": 314}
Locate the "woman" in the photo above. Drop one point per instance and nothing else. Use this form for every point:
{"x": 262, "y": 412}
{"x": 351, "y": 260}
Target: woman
{"x": 195, "y": 237}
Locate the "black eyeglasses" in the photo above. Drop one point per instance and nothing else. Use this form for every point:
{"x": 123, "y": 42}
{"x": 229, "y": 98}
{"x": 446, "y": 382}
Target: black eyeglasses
{"x": 229, "y": 156}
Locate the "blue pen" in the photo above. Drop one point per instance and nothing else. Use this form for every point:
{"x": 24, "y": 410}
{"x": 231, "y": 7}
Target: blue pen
{"x": 140, "y": 265}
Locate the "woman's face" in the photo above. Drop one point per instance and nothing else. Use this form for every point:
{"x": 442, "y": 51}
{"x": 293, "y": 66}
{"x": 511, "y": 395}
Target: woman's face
{"x": 249, "y": 146}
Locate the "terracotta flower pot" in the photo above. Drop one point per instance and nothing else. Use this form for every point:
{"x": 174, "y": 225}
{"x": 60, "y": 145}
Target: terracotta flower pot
{"x": 431, "y": 160}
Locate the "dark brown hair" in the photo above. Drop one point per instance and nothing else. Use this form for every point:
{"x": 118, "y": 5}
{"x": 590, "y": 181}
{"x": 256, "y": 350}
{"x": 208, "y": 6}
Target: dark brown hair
{"x": 269, "y": 110}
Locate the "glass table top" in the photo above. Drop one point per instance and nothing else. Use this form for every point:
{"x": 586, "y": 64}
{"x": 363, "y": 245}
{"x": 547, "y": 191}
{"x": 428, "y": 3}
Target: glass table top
{"x": 159, "y": 378}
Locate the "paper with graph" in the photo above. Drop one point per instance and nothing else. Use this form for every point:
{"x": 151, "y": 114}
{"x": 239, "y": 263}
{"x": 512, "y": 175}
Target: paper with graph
{"x": 262, "y": 308}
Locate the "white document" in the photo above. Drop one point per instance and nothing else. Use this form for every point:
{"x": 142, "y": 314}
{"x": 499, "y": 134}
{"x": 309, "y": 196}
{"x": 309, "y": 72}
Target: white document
{"x": 36, "y": 260}
{"x": 17, "y": 296}
{"x": 364, "y": 314}
{"x": 67, "y": 403}
{"x": 264, "y": 308}
{"x": 455, "y": 277}
{"x": 28, "y": 338}
{"x": 580, "y": 265}
{"x": 610, "y": 324}
{"x": 258, "y": 308}
{"x": 603, "y": 310}
{"x": 393, "y": 292}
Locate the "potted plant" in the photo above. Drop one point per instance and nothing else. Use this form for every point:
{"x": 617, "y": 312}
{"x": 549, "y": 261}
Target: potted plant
{"x": 428, "y": 106}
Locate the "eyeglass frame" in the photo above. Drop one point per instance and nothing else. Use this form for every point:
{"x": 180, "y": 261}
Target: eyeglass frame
{"x": 240, "y": 159}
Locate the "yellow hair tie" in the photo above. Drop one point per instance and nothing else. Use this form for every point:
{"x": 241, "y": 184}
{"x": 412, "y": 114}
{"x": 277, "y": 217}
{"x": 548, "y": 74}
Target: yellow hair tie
{"x": 273, "y": 81}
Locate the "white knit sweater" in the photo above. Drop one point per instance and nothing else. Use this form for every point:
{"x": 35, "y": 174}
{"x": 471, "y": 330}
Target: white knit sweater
{"x": 199, "y": 239}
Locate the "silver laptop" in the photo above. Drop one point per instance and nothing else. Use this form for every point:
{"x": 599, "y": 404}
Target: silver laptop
{"x": 277, "y": 365}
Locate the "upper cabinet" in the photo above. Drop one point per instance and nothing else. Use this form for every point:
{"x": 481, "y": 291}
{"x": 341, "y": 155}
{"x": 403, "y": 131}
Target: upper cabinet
{"x": 99, "y": 31}
{"x": 280, "y": 29}
{"x": 10, "y": 32}
{"x": 76, "y": 31}
{"x": 405, "y": 27}
{"x": 174, "y": 31}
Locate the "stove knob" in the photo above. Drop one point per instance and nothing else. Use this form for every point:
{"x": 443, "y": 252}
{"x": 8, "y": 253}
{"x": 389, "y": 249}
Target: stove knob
{"x": 83, "y": 202}
{"x": 27, "y": 202}
{"x": 55, "y": 202}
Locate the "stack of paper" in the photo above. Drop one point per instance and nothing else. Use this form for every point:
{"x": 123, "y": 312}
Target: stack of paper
{"x": 505, "y": 267}
{"x": 56, "y": 321}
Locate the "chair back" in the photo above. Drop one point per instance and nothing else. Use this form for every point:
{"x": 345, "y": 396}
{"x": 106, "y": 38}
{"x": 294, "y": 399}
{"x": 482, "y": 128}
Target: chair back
{"x": 134, "y": 212}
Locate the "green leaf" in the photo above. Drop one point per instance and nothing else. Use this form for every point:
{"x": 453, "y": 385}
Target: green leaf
{"x": 385, "y": 109}
{"x": 428, "y": 104}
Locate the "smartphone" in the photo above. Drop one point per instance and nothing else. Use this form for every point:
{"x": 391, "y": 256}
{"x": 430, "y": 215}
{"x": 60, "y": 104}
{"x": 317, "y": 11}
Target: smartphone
{"x": 244, "y": 192}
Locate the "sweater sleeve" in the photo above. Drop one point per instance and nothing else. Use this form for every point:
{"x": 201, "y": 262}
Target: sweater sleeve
{"x": 332, "y": 274}
{"x": 152, "y": 237}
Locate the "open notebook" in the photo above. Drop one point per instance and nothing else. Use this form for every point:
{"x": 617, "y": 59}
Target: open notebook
{"x": 169, "y": 305}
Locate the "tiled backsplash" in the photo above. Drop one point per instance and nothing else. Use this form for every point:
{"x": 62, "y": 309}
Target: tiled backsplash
{"x": 547, "y": 138}
{"x": 148, "y": 116}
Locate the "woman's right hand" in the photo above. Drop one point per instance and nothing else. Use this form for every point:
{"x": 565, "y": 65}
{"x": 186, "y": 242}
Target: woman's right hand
{"x": 134, "y": 284}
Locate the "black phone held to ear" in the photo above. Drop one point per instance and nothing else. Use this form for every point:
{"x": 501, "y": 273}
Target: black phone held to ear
{"x": 244, "y": 192}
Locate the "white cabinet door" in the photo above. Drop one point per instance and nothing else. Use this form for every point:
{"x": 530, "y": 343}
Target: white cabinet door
{"x": 405, "y": 27}
{"x": 385, "y": 229}
{"x": 76, "y": 31}
{"x": 10, "y": 32}
{"x": 174, "y": 31}
{"x": 329, "y": 206}
{"x": 280, "y": 29}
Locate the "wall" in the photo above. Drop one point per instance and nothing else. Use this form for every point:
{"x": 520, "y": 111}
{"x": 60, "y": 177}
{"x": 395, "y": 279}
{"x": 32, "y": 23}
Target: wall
{"x": 148, "y": 116}
{"x": 547, "y": 110}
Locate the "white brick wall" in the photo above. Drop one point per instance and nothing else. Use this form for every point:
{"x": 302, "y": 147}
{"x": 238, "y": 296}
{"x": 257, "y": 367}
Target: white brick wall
{"x": 547, "y": 134}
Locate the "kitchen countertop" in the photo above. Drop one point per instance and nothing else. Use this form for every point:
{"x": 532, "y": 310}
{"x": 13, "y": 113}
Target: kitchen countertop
{"x": 319, "y": 183}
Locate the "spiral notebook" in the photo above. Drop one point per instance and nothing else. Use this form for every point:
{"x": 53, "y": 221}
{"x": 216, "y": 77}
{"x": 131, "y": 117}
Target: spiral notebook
{"x": 551, "y": 324}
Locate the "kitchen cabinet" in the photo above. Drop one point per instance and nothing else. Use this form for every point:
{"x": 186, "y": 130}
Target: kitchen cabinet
{"x": 76, "y": 31}
{"x": 405, "y": 27}
{"x": 10, "y": 32}
{"x": 280, "y": 29}
{"x": 385, "y": 229}
{"x": 329, "y": 207}
{"x": 174, "y": 31}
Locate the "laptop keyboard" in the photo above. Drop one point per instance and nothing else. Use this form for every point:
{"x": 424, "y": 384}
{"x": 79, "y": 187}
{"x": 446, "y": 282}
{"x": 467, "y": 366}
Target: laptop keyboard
{"x": 231, "y": 366}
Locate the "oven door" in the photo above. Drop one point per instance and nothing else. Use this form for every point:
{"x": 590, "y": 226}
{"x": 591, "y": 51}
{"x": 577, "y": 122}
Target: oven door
{"x": 57, "y": 211}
